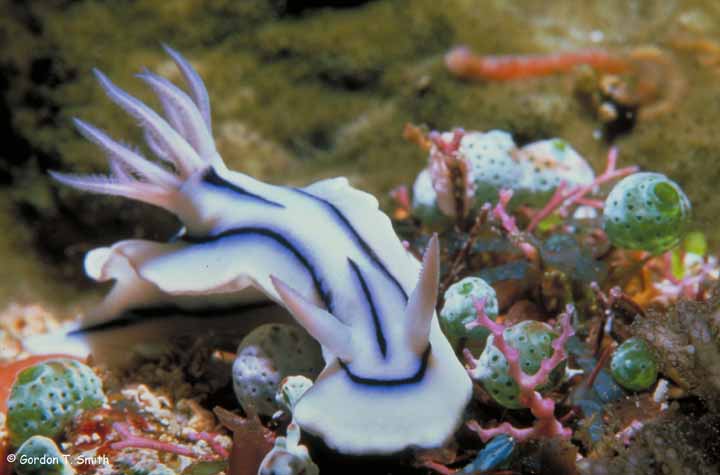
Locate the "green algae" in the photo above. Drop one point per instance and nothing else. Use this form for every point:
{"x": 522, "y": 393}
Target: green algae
{"x": 323, "y": 92}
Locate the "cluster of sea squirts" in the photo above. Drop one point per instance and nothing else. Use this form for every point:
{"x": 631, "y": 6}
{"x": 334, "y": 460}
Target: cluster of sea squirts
{"x": 643, "y": 211}
{"x": 272, "y": 371}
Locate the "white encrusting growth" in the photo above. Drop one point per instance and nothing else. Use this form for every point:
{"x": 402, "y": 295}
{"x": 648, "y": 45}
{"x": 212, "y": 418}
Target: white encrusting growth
{"x": 325, "y": 252}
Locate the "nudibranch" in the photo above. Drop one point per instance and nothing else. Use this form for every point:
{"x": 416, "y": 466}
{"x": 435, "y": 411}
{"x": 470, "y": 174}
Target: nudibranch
{"x": 325, "y": 252}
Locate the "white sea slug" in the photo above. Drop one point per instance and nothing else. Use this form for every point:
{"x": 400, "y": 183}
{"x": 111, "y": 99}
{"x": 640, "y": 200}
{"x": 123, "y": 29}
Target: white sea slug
{"x": 325, "y": 252}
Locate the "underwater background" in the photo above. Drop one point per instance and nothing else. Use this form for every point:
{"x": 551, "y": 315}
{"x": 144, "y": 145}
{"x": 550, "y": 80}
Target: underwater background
{"x": 314, "y": 89}
{"x": 542, "y": 335}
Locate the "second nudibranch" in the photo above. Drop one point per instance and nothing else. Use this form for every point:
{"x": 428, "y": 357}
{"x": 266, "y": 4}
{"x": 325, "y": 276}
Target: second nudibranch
{"x": 325, "y": 252}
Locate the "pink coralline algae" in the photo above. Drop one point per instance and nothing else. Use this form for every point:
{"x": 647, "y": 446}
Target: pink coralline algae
{"x": 543, "y": 408}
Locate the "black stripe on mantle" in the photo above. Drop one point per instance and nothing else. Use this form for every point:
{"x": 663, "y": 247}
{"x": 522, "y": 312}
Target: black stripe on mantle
{"x": 325, "y": 296}
{"x": 379, "y": 336}
{"x": 414, "y": 379}
{"x": 361, "y": 242}
{"x": 211, "y": 177}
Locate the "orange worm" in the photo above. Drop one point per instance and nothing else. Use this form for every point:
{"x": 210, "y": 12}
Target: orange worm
{"x": 464, "y": 64}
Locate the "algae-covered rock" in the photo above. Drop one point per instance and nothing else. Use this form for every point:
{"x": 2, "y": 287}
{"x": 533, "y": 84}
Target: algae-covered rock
{"x": 672, "y": 444}
{"x": 686, "y": 341}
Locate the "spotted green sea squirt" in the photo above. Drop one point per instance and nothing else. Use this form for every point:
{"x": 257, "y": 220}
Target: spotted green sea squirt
{"x": 491, "y": 163}
{"x": 41, "y": 456}
{"x": 633, "y": 365}
{"x": 47, "y": 396}
{"x": 459, "y": 309}
{"x": 546, "y": 164}
{"x": 268, "y": 354}
{"x": 534, "y": 341}
{"x": 646, "y": 211}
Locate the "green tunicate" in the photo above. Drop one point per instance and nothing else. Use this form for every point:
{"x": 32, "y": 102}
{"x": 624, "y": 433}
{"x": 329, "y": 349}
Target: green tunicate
{"x": 546, "y": 164}
{"x": 265, "y": 356}
{"x": 646, "y": 211}
{"x": 534, "y": 342}
{"x": 633, "y": 365}
{"x": 492, "y": 166}
{"x": 40, "y": 456}
{"x": 459, "y": 309}
{"x": 47, "y": 396}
